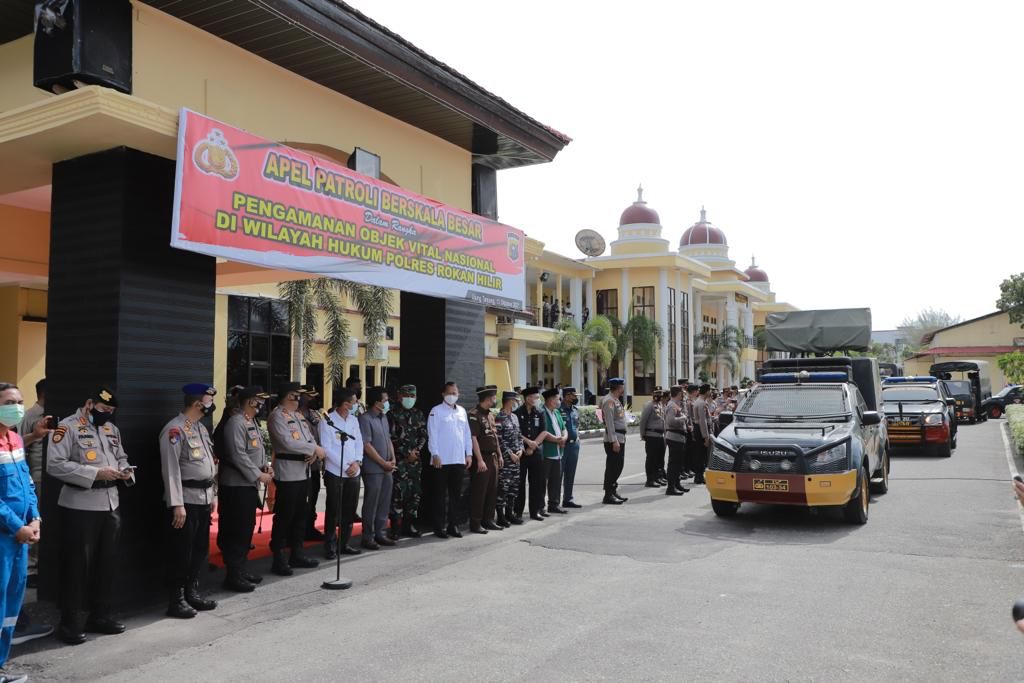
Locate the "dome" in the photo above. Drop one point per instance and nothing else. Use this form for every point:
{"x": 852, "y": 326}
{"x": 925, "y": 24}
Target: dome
{"x": 702, "y": 232}
{"x": 638, "y": 212}
{"x": 755, "y": 274}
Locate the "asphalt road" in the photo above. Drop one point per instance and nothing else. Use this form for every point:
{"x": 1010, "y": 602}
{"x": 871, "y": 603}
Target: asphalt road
{"x": 657, "y": 589}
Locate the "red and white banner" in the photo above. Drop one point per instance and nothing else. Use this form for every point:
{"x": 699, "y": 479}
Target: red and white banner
{"x": 243, "y": 198}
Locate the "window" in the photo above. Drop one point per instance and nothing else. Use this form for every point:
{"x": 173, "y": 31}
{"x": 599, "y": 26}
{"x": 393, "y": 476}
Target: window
{"x": 315, "y": 378}
{"x": 643, "y": 377}
{"x": 608, "y": 303}
{"x": 389, "y": 333}
{"x": 684, "y": 333}
{"x": 643, "y": 302}
{"x": 259, "y": 345}
{"x": 670, "y": 321}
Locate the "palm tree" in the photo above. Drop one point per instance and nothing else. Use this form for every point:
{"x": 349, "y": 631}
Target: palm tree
{"x": 642, "y": 335}
{"x": 594, "y": 342}
{"x": 721, "y": 349}
{"x": 305, "y": 297}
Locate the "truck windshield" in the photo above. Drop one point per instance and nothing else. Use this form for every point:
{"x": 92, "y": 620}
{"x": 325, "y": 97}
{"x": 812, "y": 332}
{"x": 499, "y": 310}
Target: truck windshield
{"x": 923, "y": 393}
{"x": 792, "y": 402}
{"x": 958, "y": 387}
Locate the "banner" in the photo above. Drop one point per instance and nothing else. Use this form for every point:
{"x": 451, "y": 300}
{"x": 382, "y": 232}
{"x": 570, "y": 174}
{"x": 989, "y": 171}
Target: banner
{"x": 243, "y": 198}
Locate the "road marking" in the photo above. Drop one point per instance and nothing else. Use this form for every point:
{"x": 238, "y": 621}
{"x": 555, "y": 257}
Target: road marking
{"x": 1003, "y": 429}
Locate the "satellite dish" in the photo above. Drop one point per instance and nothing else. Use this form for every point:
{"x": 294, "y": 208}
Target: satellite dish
{"x": 590, "y": 242}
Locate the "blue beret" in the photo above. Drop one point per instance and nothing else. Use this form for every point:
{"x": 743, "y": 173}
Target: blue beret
{"x": 616, "y": 382}
{"x": 198, "y": 389}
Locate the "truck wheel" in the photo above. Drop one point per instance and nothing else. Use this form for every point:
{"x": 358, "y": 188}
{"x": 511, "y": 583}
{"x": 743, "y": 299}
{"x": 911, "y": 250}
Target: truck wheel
{"x": 882, "y": 485}
{"x": 946, "y": 449}
{"x": 724, "y": 508}
{"x": 995, "y": 412}
{"x": 856, "y": 511}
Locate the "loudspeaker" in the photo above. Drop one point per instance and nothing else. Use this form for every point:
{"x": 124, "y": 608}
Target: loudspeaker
{"x": 485, "y": 191}
{"x": 89, "y": 41}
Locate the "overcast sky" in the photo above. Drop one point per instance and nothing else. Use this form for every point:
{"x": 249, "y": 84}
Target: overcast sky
{"x": 869, "y": 154}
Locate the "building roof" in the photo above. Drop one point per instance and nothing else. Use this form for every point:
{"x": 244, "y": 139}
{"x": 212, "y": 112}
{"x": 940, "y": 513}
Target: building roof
{"x": 339, "y": 47}
{"x": 965, "y": 351}
{"x": 755, "y": 274}
{"x": 702, "y": 232}
{"x": 927, "y": 339}
{"x": 638, "y": 212}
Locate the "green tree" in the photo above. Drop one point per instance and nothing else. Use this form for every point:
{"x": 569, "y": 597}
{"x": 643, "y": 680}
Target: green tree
{"x": 1011, "y": 298}
{"x": 594, "y": 342}
{"x": 721, "y": 349}
{"x": 1012, "y": 365}
{"x": 926, "y": 321}
{"x": 306, "y": 297}
{"x": 641, "y": 335}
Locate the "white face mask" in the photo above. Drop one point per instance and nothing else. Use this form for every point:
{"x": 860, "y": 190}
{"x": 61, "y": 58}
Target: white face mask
{"x": 451, "y": 399}
{"x": 535, "y": 402}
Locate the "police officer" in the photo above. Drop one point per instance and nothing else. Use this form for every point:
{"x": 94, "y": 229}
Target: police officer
{"x": 309, "y": 406}
{"x": 483, "y": 478}
{"x": 531, "y": 464}
{"x": 243, "y": 467}
{"x": 677, "y": 423}
{"x": 652, "y": 433}
{"x": 86, "y": 454}
{"x": 409, "y": 436}
{"x": 186, "y": 464}
{"x": 295, "y": 450}
{"x": 614, "y": 415}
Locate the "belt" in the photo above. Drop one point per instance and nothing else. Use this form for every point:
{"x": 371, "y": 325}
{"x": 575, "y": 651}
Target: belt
{"x": 298, "y": 457}
{"x": 620, "y": 431}
{"x": 677, "y": 431}
{"x": 103, "y": 484}
{"x": 655, "y": 431}
{"x": 197, "y": 483}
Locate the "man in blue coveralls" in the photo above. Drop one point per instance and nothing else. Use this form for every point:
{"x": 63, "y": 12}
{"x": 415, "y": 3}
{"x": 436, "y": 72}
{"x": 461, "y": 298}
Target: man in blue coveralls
{"x": 19, "y": 520}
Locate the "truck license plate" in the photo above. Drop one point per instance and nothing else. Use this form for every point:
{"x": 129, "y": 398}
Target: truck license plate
{"x": 771, "y": 485}
{"x": 902, "y": 423}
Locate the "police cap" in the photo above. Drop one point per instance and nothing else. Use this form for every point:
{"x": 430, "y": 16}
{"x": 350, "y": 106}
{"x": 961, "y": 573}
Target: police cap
{"x": 104, "y": 395}
{"x": 199, "y": 389}
{"x": 616, "y": 382}
{"x": 252, "y": 391}
{"x": 407, "y": 390}
{"x": 486, "y": 392}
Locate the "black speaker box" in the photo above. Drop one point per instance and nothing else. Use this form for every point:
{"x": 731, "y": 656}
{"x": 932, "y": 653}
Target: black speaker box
{"x": 90, "y": 42}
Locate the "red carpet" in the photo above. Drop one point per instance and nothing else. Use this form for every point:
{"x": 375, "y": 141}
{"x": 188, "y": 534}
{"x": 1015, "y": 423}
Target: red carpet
{"x": 262, "y": 541}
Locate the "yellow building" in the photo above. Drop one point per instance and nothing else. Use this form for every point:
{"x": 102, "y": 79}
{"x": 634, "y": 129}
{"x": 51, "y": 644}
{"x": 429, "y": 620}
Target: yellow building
{"x": 693, "y": 290}
{"x": 984, "y": 338}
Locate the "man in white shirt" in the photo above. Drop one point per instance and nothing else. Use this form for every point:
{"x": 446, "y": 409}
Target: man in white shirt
{"x": 343, "y": 443}
{"x": 451, "y": 454}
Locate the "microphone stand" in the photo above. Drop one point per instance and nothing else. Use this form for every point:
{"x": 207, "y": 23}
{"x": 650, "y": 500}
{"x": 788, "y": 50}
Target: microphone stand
{"x": 337, "y": 583}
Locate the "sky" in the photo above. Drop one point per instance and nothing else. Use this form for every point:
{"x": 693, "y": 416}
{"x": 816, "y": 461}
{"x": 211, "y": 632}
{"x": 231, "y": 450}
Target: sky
{"x": 868, "y": 154}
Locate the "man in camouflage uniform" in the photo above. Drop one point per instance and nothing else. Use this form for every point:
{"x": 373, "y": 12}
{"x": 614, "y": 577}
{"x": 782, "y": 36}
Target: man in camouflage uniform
{"x": 409, "y": 436}
{"x": 511, "y": 439}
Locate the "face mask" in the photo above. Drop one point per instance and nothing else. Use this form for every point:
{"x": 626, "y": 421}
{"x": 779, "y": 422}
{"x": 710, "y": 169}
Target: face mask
{"x": 451, "y": 399}
{"x": 386, "y": 407}
{"x": 11, "y": 414}
{"x": 99, "y": 418}
{"x": 408, "y": 402}
{"x": 535, "y": 402}
{"x": 208, "y": 409}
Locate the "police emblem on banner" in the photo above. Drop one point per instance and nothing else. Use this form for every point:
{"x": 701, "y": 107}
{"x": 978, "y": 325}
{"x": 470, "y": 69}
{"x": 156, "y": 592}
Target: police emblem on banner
{"x": 513, "y": 246}
{"x": 213, "y": 156}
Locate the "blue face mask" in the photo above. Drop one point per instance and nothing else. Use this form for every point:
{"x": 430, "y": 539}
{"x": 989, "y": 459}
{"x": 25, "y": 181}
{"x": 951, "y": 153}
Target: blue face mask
{"x": 386, "y": 407}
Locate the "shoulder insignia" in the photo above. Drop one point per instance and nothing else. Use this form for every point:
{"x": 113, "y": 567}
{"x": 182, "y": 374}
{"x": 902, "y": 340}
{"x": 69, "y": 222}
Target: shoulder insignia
{"x": 174, "y": 436}
{"x": 58, "y": 433}
{"x": 82, "y": 421}
{"x": 107, "y": 429}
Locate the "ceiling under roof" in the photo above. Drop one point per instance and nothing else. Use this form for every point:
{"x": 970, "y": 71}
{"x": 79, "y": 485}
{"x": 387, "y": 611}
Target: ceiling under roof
{"x": 337, "y": 46}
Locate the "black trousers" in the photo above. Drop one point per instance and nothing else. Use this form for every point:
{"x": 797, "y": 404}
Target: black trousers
{"x": 531, "y": 468}
{"x": 676, "y": 458}
{"x": 553, "y": 474}
{"x": 289, "y": 515}
{"x": 312, "y": 497}
{"x": 654, "y": 447}
{"x": 447, "y": 489}
{"x": 188, "y": 548}
{"x": 613, "y": 463}
{"x": 89, "y": 558}
{"x": 698, "y": 460}
{"x": 342, "y": 498}
{"x": 483, "y": 490}
{"x": 236, "y": 510}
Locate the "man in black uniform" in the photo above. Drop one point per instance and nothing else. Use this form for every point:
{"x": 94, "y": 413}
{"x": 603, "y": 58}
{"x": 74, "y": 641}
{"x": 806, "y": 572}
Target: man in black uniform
{"x": 531, "y": 465}
{"x": 309, "y": 406}
{"x": 483, "y": 478}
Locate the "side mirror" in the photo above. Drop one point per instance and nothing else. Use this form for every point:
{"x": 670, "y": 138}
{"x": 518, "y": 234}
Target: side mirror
{"x": 724, "y": 419}
{"x": 871, "y": 417}
{"x": 950, "y": 401}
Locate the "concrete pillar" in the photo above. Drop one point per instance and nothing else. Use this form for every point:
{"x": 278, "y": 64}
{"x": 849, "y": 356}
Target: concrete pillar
{"x": 576, "y": 379}
{"x": 517, "y": 363}
{"x": 576, "y": 299}
{"x": 588, "y": 295}
{"x": 625, "y": 301}
{"x": 681, "y": 362}
{"x": 696, "y": 328}
{"x": 559, "y": 295}
{"x": 661, "y": 316}
{"x": 538, "y": 302}
{"x": 591, "y": 377}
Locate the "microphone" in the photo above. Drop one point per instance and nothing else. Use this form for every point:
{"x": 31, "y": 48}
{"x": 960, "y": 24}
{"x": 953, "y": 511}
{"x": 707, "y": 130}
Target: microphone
{"x": 344, "y": 435}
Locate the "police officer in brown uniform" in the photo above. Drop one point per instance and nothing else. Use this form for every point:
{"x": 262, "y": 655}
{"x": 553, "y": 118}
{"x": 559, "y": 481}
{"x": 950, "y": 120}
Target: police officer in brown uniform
{"x": 483, "y": 478}
{"x": 86, "y": 454}
{"x": 295, "y": 449}
{"x": 187, "y": 467}
{"x": 243, "y": 467}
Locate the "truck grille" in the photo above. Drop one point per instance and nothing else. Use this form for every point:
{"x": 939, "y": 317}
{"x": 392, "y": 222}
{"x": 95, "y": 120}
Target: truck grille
{"x": 789, "y": 464}
{"x": 912, "y": 433}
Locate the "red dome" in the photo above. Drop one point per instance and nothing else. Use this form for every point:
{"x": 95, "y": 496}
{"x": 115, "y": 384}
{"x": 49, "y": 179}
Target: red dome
{"x": 639, "y": 212}
{"x": 755, "y": 274}
{"x": 702, "y": 232}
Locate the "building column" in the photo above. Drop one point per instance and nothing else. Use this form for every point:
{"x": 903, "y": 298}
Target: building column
{"x": 588, "y": 295}
{"x": 625, "y": 299}
{"x": 681, "y": 362}
{"x": 696, "y": 329}
{"x": 576, "y": 299}
{"x": 576, "y": 378}
{"x": 110, "y": 322}
{"x": 559, "y": 294}
{"x": 517, "y": 362}
{"x": 556, "y": 370}
{"x": 661, "y": 314}
{"x": 538, "y": 302}
{"x": 591, "y": 378}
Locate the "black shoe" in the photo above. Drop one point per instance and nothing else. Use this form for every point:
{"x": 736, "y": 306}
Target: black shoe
{"x": 674, "y": 492}
{"x": 438, "y": 533}
{"x": 618, "y": 497}
{"x": 252, "y": 578}
{"x": 699, "y": 480}
{"x": 477, "y": 529}
{"x": 393, "y": 534}
{"x": 104, "y": 625}
{"x": 572, "y": 504}
{"x": 687, "y": 474}
{"x": 197, "y": 601}
{"x": 491, "y": 526}
{"x": 537, "y": 516}
{"x": 454, "y": 532}
{"x": 330, "y": 550}
{"x": 237, "y": 584}
{"x": 557, "y": 511}
{"x": 280, "y": 566}
{"x": 385, "y": 540}
{"x": 516, "y": 519}
{"x": 314, "y": 535}
{"x": 409, "y": 527}
{"x": 370, "y": 545}
{"x": 11, "y": 677}
{"x": 346, "y": 549}
{"x": 543, "y": 513}
{"x": 23, "y": 634}
{"x": 71, "y": 636}
{"x": 176, "y": 607}
{"x": 299, "y": 560}
{"x": 611, "y": 500}
{"x": 652, "y": 485}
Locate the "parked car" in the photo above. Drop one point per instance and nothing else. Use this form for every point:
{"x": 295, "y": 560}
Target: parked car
{"x": 920, "y": 414}
{"x": 995, "y": 407}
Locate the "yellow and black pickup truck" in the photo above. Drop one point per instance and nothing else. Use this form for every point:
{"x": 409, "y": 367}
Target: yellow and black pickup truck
{"x": 801, "y": 438}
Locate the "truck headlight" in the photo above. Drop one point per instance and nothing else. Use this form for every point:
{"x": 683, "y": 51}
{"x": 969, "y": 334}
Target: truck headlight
{"x": 831, "y": 455}
{"x": 723, "y": 456}
{"x": 933, "y": 419}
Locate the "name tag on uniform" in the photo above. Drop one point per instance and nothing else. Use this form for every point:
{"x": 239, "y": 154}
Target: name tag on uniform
{"x": 197, "y": 453}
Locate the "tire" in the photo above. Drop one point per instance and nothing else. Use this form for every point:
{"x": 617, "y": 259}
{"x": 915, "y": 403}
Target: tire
{"x": 946, "y": 449}
{"x": 973, "y": 420}
{"x": 995, "y": 412}
{"x": 724, "y": 508}
{"x": 883, "y": 485}
{"x": 856, "y": 511}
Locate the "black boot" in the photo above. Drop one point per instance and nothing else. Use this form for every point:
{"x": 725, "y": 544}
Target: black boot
{"x": 237, "y": 583}
{"x": 197, "y": 601}
{"x": 300, "y": 560}
{"x": 616, "y": 495}
{"x": 331, "y": 548}
{"x": 280, "y": 566}
{"x": 176, "y": 605}
{"x": 499, "y": 517}
{"x": 409, "y": 526}
{"x": 393, "y": 531}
